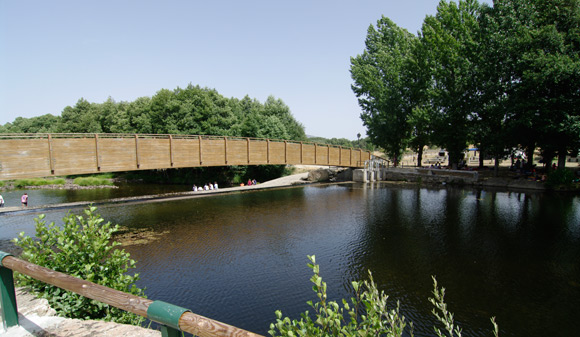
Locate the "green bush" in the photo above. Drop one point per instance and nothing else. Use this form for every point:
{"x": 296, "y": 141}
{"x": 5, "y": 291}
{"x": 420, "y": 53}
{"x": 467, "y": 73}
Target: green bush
{"x": 20, "y": 183}
{"x": 93, "y": 181}
{"x": 560, "y": 177}
{"x": 367, "y": 313}
{"x": 81, "y": 248}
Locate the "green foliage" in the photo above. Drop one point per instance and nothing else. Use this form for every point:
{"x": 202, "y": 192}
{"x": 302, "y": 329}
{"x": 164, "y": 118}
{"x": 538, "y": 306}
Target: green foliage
{"x": 380, "y": 85}
{"x": 191, "y": 110}
{"x": 500, "y": 77}
{"x": 93, "y": 181}
{"x": 449, "y": 40}
{"x": 20, "y": 183}
{"x": 366, "y": 314}
{"x": 82, "y": 248}
{"x": 445, "y": 317}
{"x": 562, "y": 177}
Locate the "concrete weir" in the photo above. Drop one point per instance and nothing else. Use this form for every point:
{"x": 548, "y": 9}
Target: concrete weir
{"x": 426, "y": 175}
{"x": 444, "y": 176}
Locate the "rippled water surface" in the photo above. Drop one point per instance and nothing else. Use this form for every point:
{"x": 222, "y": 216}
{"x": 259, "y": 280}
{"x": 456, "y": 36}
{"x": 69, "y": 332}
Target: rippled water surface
{"x": 238, "y": 258}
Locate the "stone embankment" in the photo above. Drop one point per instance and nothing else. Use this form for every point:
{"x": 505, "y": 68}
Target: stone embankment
{"x": 38, "y": 319}
{"x": 451, "y": 177}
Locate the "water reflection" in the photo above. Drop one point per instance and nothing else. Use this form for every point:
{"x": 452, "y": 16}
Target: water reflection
{"x": 238, "y": 258}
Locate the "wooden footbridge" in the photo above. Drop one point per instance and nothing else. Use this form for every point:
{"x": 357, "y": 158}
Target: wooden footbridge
{"x": 44, "y": 155}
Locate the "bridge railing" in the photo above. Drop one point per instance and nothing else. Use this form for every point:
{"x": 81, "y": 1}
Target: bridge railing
{"x": 44, "y": 155}
{"x": 171, "y": 317}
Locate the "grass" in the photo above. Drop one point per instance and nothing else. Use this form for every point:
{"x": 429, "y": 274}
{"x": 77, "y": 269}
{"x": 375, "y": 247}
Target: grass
{"x": 93, "y": 181}
{"x": 38, "y": 182}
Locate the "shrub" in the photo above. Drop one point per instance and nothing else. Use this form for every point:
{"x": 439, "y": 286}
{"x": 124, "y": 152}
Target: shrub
{"x": 81, "y": 248}
{"x": 20, "y": 183}
{"x": 93, "y": 181}
{"x": 560, "y": 177}
{"x": 367, "y": 313}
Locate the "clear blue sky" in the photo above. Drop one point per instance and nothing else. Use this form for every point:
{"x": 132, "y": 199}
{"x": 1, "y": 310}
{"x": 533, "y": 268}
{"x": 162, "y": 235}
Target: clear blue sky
{"x": 52, "y": 53}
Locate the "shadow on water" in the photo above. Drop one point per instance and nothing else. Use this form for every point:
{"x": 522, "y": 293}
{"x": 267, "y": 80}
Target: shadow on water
{"x": 237, "y": 258}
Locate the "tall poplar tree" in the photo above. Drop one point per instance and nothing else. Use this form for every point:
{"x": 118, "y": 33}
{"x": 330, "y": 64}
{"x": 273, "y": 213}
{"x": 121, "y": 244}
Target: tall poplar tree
{"x": 450, "y": 41}
{"x": 380, "y": 86}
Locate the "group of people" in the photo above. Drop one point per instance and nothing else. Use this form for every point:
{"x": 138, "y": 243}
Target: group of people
{"x": 436, "y": 166}
{"x": 250, "y": 182}
{"x": 206, "y": 187}
{"x": 23, "y": 200}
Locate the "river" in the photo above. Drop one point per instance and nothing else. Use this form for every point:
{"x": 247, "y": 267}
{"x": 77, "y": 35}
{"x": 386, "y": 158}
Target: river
{"x": 237, "y": 258}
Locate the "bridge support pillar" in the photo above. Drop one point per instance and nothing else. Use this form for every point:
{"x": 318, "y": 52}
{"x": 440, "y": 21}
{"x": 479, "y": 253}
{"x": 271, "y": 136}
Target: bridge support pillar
{"x": 359, "y": 175}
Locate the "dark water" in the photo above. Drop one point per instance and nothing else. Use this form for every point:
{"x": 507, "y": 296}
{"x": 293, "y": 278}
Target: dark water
{"x": 238, "y": 258}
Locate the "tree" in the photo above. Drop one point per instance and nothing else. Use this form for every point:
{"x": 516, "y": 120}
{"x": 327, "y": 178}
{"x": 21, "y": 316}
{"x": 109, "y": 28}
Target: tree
{"x": 41, "y": 124}
{"x": 449, "y": 39}
{"x": 420, "y": 124}
{"x": 82, "y": 118}
{"x": 277, "y": 107}
{"x": 530, "y": 74}
{"x": 380, "y": 88}
{"x": 493, "y": 133}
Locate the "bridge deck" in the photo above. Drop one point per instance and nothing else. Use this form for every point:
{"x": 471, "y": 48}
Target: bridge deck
{"x": 44, "y": 155}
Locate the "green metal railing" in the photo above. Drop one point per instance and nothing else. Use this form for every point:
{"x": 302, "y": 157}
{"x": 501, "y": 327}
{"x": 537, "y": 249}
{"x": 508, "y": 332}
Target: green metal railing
{"x": 172, "y": 318}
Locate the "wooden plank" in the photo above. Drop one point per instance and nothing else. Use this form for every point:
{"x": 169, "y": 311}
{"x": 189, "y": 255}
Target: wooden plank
{"x": 186, "y": 152}
{"x": 213, "y": 152}
{"x": 24, "y": 158}
{"x": 335, "y": 156}
{"x": 277, "y": 154}
{"x": 74, "y": 155}
{"x": 118, "y": 154}
{"x": 259, "y": 152}
{"x": 309, "y": 154}
{"x": 293, "y": 153}
{"x": 238, "y": 152}
{"x": 154, "y": 154}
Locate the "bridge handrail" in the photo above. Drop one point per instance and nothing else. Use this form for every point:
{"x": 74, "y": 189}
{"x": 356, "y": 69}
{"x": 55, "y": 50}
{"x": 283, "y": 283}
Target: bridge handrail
{"x": 157, "y": 136}
{"x": 172, "y": 317}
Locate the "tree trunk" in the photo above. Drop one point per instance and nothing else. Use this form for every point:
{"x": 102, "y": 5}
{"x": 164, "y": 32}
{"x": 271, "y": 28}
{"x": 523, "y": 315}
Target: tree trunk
{"x": 548, "y": 162}
{"x": 419, "y": 156}
{"x": 530, "y": 156}
{"x": 562, "y": 159}
{"x": 496, "y": 167}
{"x": 481, "y": 158}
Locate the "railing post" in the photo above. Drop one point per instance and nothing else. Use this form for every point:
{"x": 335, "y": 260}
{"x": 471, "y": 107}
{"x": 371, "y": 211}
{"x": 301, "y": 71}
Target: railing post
{"x": 167, "y": 314}
{"x": 50, "y": 156}
{"x": 7, "y": 295}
